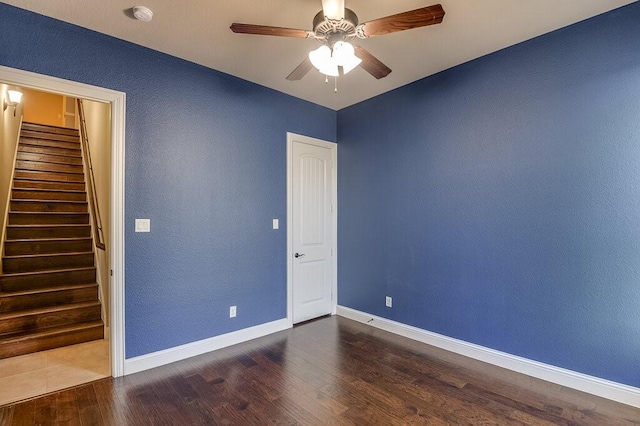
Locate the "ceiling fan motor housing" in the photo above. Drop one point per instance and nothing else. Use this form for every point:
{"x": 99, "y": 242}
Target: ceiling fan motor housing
{"x": 335, "y": 30}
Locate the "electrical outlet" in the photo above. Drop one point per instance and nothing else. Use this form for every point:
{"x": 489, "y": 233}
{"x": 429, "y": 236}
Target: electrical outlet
{"x": 232, "y": 312}
{"x": 388, "y": 301}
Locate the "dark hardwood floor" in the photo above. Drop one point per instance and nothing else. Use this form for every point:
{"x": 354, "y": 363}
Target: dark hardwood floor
{"x": 329, "y": 371}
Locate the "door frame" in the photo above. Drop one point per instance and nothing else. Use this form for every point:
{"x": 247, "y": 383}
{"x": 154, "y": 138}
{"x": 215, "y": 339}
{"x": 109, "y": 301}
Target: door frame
{"x": 117, "y": 100}
{"x": 333, "y": 147}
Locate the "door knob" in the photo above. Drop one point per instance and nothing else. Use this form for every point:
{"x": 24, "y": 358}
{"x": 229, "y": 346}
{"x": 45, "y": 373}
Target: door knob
{"x": 297, "y": 255}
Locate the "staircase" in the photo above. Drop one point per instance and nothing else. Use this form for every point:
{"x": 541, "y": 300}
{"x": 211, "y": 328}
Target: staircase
{"x": 48, "y": 290}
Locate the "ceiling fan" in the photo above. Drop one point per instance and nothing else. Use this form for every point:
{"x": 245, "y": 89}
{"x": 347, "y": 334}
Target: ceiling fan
{"x": 335, "y": 26}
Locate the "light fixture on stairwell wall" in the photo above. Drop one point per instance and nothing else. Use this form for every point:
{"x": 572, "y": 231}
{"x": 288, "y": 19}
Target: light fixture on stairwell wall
{"x": 15, "y": 97}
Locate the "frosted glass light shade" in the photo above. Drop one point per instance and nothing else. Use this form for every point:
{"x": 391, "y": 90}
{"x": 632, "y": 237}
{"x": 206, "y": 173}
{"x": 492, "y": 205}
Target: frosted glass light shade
{"x": 344, "y": 55}
{"x": 320, "y": 57}
{"x": 14, "y": 96}
{"x": 322, "y": 60}
{"x": 331, "y": 69}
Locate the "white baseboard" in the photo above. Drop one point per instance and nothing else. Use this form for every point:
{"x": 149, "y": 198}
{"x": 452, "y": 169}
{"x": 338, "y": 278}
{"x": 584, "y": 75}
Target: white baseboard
{"x": 604, "y": 388}
{"x": 178, "y": 353}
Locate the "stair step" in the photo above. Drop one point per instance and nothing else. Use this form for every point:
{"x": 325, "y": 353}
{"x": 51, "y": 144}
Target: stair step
{"x": 49, "y": 176}
{"x": 48, "y": 167}
{"x": 50, "y": 296}
{"x": 24, "y": 343}
{"x": 51, "y": 316}
{"x": 49, "y": 136}
{"x": 25, "y": 218}
{"x": 23, "y": 232}
{"x": 46, "y": 246}
{"x": 48, "y": 194}
{"x": 48, "y": 158}
{"x": 49, "y": 143}
{"x": 55, "y": 278}
{"x": 44, "y": 184}
{"x": 49, "y": 150}
{"x": 49, "y": 129}
{"x": 49, "y": 206}
{"x": 45, "y": 262}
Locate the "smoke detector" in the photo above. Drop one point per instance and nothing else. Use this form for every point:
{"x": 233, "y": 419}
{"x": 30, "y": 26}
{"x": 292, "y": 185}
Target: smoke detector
{"x": 142, "y": 13}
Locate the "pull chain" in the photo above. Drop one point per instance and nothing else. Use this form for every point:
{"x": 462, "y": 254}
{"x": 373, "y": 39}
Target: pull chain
{"x": 335, "y": 83}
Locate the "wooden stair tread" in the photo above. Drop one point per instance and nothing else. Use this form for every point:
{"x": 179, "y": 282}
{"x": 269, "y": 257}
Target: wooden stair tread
{"x": 49, "y": 143}
{"x": 47, "y": 240}
{"x": 62, "y": 172}
{"x": 52, "y": 331}
{"x": 47, "y": 309}
{"x": 77, "y": 253}
{"x": 42, "y": 179}
{"x": 74, "y": 191}
{"x": 46, "y": 290}
{"x": 49, "y": 271}
{"x": 41, "y": 176}
{"x": 35, "y": 184}
{"x": 48, "y": 127}
{"x": 43, "y": 157}
{"x": 44, "y": 167}
{"x": 31, "y": 200}
{"x": 42, "y": 213}
{"x": 52, "y": 225}
{"x": 34, "y": 148}
{"x": 33, "y": 134}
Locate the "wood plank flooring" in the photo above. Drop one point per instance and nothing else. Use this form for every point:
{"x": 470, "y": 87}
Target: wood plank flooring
{"x": 328, "y": 371}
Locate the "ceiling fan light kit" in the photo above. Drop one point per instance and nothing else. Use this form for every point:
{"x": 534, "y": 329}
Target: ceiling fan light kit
{"x": 339, "y": 61}
{"x": 335, "y": 26}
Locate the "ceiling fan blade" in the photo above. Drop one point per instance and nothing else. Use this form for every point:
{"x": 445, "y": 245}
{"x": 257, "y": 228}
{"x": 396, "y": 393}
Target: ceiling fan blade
{"x": 333, "y": 9}
{"x": 371, "y": 64}
{"x": 301, "y": 70}
{"x": 402, "y": 21}
{"x": 267, "y": 30}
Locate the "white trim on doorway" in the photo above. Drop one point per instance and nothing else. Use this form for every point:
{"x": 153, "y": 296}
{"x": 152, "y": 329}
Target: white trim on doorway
{"x": 334, "y": 202}
{"x": 118, "y": 103}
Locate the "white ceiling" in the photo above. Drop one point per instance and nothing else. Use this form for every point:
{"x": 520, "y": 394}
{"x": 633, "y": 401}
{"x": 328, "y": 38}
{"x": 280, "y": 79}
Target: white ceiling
{"x": 198, "y": 31}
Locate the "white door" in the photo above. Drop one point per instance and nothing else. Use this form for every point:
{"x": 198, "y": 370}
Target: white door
{"x": 312, "y": 232}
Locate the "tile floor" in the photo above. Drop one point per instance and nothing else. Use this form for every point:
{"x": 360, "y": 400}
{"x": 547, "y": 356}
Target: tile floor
{"x": 26, "y": 376}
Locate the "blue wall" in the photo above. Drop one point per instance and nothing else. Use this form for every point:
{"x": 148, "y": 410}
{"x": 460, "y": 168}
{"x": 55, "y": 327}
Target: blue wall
{"x": 499, "y": 202}
{"x": 205, "y": 161}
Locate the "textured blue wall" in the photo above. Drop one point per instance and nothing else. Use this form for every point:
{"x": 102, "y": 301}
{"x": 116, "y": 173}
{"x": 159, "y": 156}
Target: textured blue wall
{"x": 205, "y": 161}
{"x": 499, "y": 202}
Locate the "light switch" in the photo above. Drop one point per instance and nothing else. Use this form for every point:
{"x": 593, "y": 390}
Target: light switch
{"x": 143, "y": 225}
{"x": 276, "y": 224}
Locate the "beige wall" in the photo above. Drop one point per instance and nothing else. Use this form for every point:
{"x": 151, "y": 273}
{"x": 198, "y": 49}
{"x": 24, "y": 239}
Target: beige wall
{"x": 98, "y": 119}
{"x": 42, "y": 107}
{"x": 9, "y": 130}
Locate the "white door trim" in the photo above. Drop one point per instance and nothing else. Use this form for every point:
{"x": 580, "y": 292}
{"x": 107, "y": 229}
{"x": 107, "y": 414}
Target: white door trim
{"x": 118, "y": 107}
{"x": 334, "y": 219}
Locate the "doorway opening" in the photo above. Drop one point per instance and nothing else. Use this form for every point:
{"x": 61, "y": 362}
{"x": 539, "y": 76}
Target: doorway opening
{"x": 105, "y": 110}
